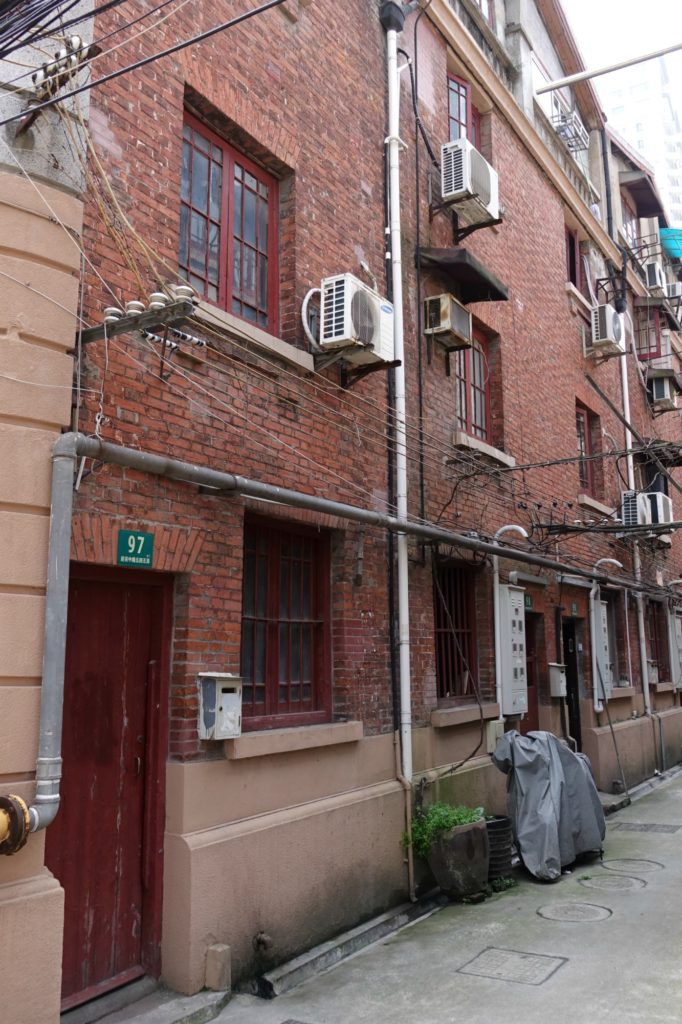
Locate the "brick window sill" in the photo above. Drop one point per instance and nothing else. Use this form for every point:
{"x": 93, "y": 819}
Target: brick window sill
{"x": 474, "y": 444}
{"x": 285, "y": 741}
{"x": 445, "y": 718}
{"x": 255, "y": 337}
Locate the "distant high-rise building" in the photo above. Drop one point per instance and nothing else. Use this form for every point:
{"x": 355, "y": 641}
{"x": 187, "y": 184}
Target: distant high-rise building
{"x": 642, "y": 103}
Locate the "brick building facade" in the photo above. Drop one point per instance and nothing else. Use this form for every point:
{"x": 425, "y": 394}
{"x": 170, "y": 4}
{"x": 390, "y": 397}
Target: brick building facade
{"x": 253, "y": 165}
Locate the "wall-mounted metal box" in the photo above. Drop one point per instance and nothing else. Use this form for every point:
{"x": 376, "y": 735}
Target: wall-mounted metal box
{"x": 557, "y": 679}
{"x": 220, "y": 705}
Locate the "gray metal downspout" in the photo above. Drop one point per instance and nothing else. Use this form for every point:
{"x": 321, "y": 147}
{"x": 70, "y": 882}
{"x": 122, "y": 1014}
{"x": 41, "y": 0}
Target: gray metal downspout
{"x": 65, "y": 452}
{"x": 45, "y": 805}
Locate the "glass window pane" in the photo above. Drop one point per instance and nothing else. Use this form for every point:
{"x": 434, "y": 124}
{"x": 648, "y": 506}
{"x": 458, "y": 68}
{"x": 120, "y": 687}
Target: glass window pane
{"x": 237, "y": 270}
{"x": 250, "y": 180}
{"x": 307, "y": 652}
{"x": 216, "y": 190}
{"x": 249, "y": 217}
{"x": 237, "y": 209}
{"x": 295, "y": 654}
{"x": 200, "y": 182}
{"x": 296, "y": 591}
{"x": 214, "y": 253}
{"x": 249, "y": 313}
{"x": 263, "y": 189}
{"x": 262, "y": 282}
{"x": 183, "y": 256}
{"x": 284, "y": 610}
{"x": 212, "y": 293}
{"x": 217, "y": 154}
{"x": 261, "y": 590}
{"x": 238, "y": 172}
{"x": 247, "y": 649}
{"x": 259, "y": 666}
{"x": 198, "y": 245}
{"x": 283, "y": 653}
{"x": 249, "y": 584}
{"x": 201, "y": 143}
{"x": 262, "y": 225}
{"x": 186, "y": 164}
{"x": 249, "y": 275}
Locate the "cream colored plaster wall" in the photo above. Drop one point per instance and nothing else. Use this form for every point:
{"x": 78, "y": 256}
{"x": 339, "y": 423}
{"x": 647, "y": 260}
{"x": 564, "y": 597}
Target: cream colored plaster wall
{"x": 39, "y": 265}
{"x": 639, "y": 748}
{"x": 298, "y": 875}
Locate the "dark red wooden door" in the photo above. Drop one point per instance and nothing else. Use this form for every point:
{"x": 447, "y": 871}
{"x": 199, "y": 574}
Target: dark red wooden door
{"x": 105, "y": 844}
{"x": 531, "y": 720}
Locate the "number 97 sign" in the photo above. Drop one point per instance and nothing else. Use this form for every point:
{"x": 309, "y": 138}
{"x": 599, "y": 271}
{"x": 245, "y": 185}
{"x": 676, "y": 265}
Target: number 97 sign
{"x": 135, "y": 548}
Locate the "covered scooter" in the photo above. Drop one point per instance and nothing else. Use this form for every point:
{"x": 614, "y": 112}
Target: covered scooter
{"x": 552, "y": 799}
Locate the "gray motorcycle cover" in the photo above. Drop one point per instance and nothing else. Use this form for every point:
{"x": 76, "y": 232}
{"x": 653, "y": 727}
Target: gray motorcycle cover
{"x": 553, "y": 802}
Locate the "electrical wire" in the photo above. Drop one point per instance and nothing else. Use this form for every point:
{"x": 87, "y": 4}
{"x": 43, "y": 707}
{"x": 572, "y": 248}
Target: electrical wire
{"x": 147, "y": 60}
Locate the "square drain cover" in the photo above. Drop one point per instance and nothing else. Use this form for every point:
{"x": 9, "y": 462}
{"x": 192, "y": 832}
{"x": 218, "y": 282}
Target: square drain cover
{"x": 508, "y": 965}
{"x": 633, "y": 826}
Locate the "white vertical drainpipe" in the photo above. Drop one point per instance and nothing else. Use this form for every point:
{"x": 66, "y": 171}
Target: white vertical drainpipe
{"x": 392, "y": 16}
{"x": 636, "y": 557}
{"x": 497, "y": 625}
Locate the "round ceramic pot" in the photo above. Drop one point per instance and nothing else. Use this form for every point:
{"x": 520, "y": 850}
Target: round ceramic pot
{"x": 459, "y": 859}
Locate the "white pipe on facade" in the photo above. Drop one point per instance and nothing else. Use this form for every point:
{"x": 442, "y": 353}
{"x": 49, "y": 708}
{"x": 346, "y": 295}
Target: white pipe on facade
{"x": 497, "y": 625}
{"x": 582, "y": 76}
{"x": 393, "y": 142}
{"x": 636, "y": 556}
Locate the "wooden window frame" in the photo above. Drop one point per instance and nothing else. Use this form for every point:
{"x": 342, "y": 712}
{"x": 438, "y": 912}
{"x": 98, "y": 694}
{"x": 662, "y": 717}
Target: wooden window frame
{"x": 487, "y": 9}
{"x": 470, "y": 128}
{"x": 266, "y": 315}
{"x": 455, "y": 585}
{"x": 649, "y": 326}
{"x": 630, "y": 223}
{"x": 573, "y": 262}
{"x": 472, "y": 393}
{"x": 272, "y": 712}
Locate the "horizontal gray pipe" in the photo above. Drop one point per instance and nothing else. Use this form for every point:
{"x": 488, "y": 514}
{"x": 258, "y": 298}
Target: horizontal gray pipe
{"x": 65, "y": 453}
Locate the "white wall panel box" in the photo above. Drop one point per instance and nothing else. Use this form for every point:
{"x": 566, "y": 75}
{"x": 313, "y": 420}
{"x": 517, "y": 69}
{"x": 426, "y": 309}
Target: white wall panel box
{"x": 220, "y": 705}
{"x": 557, "y": 679}
{"x": 513, "y": 651}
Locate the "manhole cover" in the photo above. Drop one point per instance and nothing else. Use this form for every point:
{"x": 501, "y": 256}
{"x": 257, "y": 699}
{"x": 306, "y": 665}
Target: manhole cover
{"x": 620, "y": 883}
{"x": 635, "y": 826}
{"x": 508, "y": 965}
{"x": 630, "y": 864}
{"x": 574, "y": 912}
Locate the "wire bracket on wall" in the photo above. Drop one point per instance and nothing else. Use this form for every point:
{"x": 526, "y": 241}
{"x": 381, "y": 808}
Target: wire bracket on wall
{"x": 172, "y": 313}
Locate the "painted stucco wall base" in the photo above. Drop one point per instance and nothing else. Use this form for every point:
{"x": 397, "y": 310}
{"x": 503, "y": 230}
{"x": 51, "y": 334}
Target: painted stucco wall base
{"x": 638, "y": 741}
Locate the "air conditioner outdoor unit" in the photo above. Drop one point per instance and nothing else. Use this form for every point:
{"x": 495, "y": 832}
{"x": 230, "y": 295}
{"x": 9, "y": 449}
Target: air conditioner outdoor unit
{"x": 635, "y": 509}
{"x": 607, "y": 330}
{"x": 655, "y": 278}
{"x": 356, "y": 319}
{"x": 448, "y": 321}
{"x": 661, "y": 507}
{"x": 468, "y": 181}
{"x": 663, "y": 394}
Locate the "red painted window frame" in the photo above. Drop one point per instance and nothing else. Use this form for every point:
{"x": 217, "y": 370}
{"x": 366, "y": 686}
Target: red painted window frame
{"x": 226, "y": 294}
{"x": 648, "y": 327}
{"x": 470, "y": 128}
{"x": 470, "y": 365}
{"x": 455, "y": 654}
{"x": 271, "y": 713}
{"x": 583, "y": 422}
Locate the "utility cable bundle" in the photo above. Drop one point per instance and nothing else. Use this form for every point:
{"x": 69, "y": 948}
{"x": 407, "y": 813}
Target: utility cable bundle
{"x": 23, "y": 22}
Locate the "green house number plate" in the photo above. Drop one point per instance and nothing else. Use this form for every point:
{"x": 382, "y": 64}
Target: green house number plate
{"x": 135, "y": 548}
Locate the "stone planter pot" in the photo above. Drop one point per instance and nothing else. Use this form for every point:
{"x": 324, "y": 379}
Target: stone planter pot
{"x": 459, "y": 859}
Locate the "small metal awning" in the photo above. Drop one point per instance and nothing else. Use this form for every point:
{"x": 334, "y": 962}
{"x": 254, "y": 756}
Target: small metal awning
{"x": 667, "y": 452}
{"x": 661, "y": 303}
{"x": 464, "y": 275}
{"x": 643, "y": 191}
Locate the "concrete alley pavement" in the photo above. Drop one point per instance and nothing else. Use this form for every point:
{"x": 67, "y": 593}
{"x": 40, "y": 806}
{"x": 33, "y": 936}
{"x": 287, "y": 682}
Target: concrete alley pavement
{"x": 601, "y": 944}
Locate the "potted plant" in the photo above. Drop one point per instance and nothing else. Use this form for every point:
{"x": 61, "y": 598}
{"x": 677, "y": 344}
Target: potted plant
{"x": 454, "y": 842}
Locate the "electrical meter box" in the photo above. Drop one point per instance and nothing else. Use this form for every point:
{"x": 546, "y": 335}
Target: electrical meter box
{"x": 557, "y": 679}
{"x": 220, "y": 706}
{"x": 513, "y": 651}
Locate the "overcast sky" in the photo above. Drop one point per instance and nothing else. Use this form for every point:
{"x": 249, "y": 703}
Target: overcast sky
{"x": 612, "y": 30}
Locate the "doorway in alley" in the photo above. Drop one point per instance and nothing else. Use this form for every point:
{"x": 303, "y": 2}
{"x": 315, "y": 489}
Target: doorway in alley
{"x": 106, "y": 844}
{"x": 572, "y": 657}
{"x": 533, "y": 628}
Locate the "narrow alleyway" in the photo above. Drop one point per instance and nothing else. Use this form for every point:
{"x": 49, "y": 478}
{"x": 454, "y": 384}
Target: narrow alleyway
{"x": 601, "y": 944}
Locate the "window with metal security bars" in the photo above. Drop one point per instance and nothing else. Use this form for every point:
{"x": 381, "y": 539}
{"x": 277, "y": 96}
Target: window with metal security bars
{"x": 648, "y": 338}
{"x": 472, "y": 389}
{"x": 463, "y": 118}
{"x": 455, "y": 627}
{"x": 657, "y": 628}
{"x": 587, "y": 429}
{"x": 285, "y": 643}
{"x": 228, "y": 227}
{"x": 630, "y": 223}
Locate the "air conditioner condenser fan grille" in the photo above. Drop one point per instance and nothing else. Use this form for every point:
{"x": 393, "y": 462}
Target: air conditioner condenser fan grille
{"x": 333, "y": 311}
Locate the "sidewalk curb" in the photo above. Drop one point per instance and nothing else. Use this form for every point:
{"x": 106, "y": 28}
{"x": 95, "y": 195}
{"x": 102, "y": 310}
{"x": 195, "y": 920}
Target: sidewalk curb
{"x": 637, "y": 792}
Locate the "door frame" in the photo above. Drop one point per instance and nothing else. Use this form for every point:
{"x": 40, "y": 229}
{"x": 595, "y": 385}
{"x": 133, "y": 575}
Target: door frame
{"x": 156, "y": 748}
{"x": 569, "y": 625}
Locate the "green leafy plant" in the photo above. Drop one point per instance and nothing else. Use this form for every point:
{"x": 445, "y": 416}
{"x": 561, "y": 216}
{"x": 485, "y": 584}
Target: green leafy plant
{"x": 430, "y": 822}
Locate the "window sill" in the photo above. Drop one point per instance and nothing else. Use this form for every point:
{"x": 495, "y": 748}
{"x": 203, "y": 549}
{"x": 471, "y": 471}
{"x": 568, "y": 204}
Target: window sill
{"x": 621, "y": 692}
{"x": 474, "y": 444}
{"x": 578, "y": 302}
{"x": 221, "y": 320}
{"x": 285, "y": 741}
{"x": 663, "y": 687}
{"x": 445, "y": 718}
{"x": 586, "y": 501}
